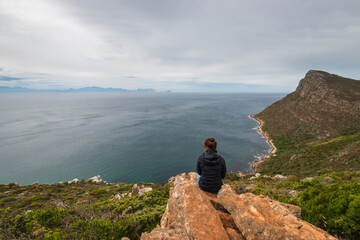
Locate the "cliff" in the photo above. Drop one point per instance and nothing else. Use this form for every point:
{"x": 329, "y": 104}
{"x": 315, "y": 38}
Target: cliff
{"x": 194, "y": 214}
{"x": 323, "y": 105}
{"x": 317, "y": 126}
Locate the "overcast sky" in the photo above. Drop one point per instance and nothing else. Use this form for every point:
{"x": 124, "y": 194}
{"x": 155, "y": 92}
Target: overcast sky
{"x": 178, "y": 45}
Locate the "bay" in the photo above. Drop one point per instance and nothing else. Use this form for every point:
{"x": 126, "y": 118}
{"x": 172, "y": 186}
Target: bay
{"x": 124, "y": 137}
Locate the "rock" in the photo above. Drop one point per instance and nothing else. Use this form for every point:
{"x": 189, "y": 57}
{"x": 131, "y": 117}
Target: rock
{"x": 145, "y": 190}
{"x": 117, "y": 196}
{"x": 189, "y": 213}
{"x": 96, "y": 179}
{"x": 125, "y": 238}
{"x": 35, "y": 184}
{"x": 193, "y": 176}
{"x": 250, "y": 186}
{"x": 7, "y": 192}
{"x": 136, "y": 190}
{"x": 234, "y": 235}
{"x": 240, "y": 174}
{"x": 61, "y": 204}
{"x": 75, "y": 180}
{"x": 28, "y": 211}
{"x": 293, "y": 193}
{"x": 278, "y": 176}
{"x": 328, "y": 180}
{"x": 121, "y": 195}
{"x": 260, "y": 218}
{"x": 256, "y": 176}
{"x": 20, "y": 195}
{"x": 295, "y": 210}
{"x": 159, "y": 233}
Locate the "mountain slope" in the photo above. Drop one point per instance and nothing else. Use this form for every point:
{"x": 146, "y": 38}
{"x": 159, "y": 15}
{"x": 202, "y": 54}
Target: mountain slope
{"x": 317, "y": 126}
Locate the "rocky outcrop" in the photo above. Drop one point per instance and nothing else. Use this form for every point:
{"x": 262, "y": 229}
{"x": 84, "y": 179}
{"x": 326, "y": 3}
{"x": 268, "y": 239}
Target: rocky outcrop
{"x": 322, "y": 86}
{"x": 135, "y": 191}
{"x": 95, "y": 179}
{"x": 323, "y": 105}
{"x": 189, "y": 213}
{"x": 195, "y": 214}
{"x": 260, "y": 218}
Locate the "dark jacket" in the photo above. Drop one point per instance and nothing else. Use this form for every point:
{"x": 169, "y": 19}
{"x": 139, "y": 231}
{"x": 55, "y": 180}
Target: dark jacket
{"x": 212, "y": 169}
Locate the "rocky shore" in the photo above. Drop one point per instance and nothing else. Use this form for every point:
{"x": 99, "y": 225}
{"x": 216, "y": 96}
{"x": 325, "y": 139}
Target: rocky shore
{"x": 268, "y": 139}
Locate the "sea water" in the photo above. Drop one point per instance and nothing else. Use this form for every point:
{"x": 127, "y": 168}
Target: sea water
{"x": 124, "y": 137}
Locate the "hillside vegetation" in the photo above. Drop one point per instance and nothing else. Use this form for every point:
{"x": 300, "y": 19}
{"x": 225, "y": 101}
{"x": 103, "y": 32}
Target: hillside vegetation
{"x": 83, "y": 210}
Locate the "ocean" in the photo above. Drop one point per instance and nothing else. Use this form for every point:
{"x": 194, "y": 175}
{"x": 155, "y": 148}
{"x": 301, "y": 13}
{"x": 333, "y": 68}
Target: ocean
{"x": 124, "y": 137}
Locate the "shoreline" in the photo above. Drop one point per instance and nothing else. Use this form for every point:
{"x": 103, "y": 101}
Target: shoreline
{"x": 269, "y": 141}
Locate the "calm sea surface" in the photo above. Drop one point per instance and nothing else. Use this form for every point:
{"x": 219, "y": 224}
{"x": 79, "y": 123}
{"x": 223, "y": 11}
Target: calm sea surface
{"x": 123, "y": 137}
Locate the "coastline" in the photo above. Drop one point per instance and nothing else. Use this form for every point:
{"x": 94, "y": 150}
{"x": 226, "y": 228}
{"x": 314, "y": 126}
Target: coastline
{"x": 268, "y": 139}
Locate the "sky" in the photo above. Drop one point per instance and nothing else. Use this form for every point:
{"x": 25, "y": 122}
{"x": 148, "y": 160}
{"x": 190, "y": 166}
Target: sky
{"x": 177, "y": 45}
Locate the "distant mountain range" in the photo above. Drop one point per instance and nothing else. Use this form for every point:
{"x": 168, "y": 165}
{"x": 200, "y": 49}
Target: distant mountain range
{"x": 4, "y": 89}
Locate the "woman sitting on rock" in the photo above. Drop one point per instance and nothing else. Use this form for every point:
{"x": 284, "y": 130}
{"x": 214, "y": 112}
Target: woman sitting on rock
{"x": 211, "y": 168}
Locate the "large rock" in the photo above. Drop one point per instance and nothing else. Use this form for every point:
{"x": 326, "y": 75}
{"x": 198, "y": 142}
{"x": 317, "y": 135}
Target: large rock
{"x": 189, "y": 213}
{"x": 136, "y": 190}
{"x": 261, "y": 218}
{"x": 95, "y": 179}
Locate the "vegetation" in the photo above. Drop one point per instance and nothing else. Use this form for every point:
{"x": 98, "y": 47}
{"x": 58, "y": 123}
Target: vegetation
{"x": 330, "y": 201}
{"x": 87, "y": 210}
{"x": 82, "y": 210}
{"x": 340, "y": 153}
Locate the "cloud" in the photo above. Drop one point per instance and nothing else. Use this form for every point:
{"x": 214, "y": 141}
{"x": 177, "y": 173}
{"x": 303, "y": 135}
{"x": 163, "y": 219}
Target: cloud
{"x": 162, "y": 44}
{"x": 6, "y": 78}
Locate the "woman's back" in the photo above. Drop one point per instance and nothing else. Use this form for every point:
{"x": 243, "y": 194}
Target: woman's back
{"x": 211, "y": 167}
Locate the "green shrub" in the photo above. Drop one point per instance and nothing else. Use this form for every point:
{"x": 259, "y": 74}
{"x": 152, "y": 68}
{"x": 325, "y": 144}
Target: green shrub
{"x": 334, "y": 208}
{"x": 99, "y": 192}
{"x": 232, "y": 176}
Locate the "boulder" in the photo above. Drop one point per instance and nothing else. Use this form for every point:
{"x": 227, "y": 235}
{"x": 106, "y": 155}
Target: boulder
{"x": 189, "y": 213}
{"x": 96, "y": 179}
{"x": 75, "y": 180}
{"x": 234, "y": 235}
{"x": 279, "y": 176}
{"x": 256, "y": 176}
{"x": 261, "y": 218}
{"x": 136, "y": 190}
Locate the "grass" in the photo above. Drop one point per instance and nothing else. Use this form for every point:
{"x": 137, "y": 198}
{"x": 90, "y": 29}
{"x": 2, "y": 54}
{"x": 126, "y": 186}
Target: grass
{"x": 305, "y": 159}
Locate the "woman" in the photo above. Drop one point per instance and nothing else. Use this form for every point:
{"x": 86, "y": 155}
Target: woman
{"x": 211, "y": 168}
